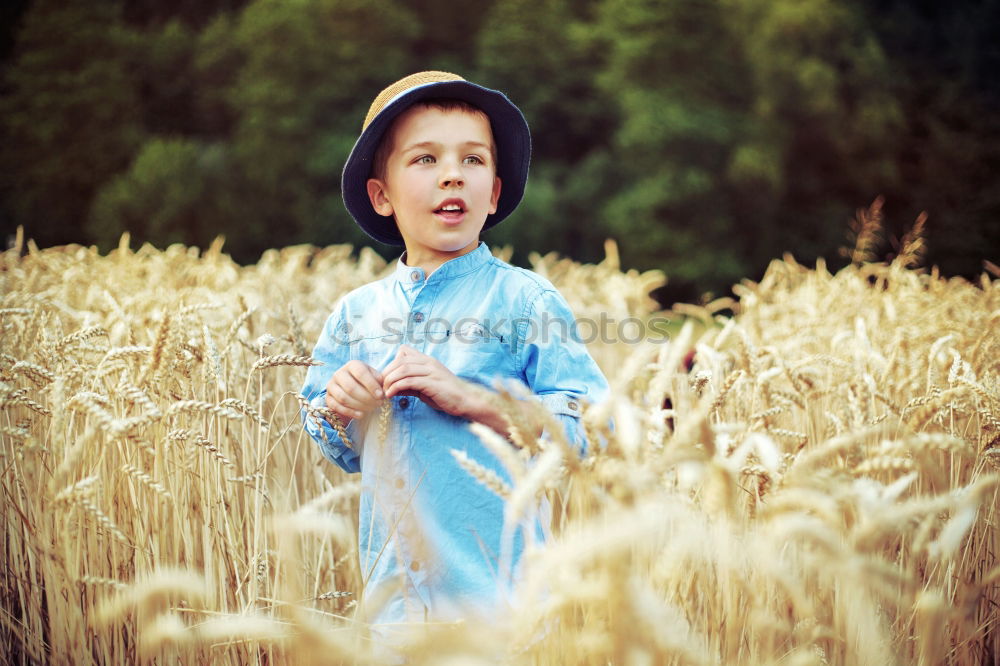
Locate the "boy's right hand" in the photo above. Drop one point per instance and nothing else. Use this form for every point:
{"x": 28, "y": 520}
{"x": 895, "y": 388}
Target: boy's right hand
{"x": 354, "y": 390}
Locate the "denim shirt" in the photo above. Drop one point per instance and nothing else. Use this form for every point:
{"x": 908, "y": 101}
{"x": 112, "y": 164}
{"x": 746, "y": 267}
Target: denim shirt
{"x": 429, "y": 533}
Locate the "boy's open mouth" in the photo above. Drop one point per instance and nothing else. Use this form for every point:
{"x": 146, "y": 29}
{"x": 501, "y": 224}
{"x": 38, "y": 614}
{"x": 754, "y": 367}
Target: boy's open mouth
{"x": 451, "y": 206}
{"x": 451, "y": 211}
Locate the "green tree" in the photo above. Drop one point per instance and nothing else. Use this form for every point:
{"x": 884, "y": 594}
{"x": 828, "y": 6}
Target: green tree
{"x": 944, "y": 59}
{"x": 192, "y": 13}
{"x": 216, "y": 63}
{"x": 706, "y": 137}
{"x": 682, "y": 87}
{"x": 71, "y": 116}
{"x": 178, "y": 191}
{"x": 748, "y": 128}
{"x": 163, "y": 66}
{"x": 821, "y": 93}
{"x": 543, "y": 55}
{"x": 308, "y": 73}
{"x": 281, "y": 86}
{"x": 446, "y": 39}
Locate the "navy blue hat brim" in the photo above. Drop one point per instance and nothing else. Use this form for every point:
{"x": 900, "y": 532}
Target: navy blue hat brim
{"x": 510, "y": 132}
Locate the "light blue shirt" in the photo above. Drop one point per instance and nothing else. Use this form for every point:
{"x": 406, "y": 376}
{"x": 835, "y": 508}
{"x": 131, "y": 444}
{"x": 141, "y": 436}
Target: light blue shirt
{"x": 430, "y": 535}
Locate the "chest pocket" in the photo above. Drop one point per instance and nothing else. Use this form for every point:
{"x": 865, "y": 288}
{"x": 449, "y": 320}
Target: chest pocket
{"x": 375, "y": 350}
{"x": 476, "y": 354}
{"x": 471, "y": 353}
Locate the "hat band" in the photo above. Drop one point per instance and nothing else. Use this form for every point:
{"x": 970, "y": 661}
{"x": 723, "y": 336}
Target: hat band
{"x": 409, "y": 90}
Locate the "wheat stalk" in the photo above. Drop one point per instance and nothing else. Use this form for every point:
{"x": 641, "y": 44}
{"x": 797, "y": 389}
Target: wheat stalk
{"x": 146, "y": 480}
{"x": 283, "y": 359}
{"x": 827, "y": 476}
{"x": 487, "y": 477}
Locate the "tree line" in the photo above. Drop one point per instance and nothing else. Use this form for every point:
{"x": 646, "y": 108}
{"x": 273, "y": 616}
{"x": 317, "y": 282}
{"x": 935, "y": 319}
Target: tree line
{"x": 706, "y": 137}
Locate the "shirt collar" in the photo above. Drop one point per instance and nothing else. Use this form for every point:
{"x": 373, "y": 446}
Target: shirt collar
{"x": 412, "y": 275}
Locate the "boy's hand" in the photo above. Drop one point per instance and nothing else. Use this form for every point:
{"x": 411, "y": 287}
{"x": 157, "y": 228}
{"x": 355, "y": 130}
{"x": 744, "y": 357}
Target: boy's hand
{"x": 354, "y": 390}
{"x": 416, "y": 374}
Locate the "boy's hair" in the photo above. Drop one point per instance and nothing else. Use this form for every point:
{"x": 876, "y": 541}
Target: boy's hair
{"x": 381, "y": 158}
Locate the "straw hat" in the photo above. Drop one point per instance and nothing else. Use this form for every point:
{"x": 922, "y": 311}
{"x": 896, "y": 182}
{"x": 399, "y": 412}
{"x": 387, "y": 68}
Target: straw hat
{"x": 510, "y": 132}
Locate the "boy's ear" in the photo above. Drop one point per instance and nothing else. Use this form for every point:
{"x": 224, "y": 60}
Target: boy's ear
{"x": 376, "y": 194}
{"x": 495, "y": 197}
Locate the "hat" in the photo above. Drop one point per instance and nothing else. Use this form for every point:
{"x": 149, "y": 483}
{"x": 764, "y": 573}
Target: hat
{"x": 510, "y": 133}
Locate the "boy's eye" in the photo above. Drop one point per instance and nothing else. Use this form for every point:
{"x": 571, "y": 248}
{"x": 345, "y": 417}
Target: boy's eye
{"x": 474, "y": 159}
{"x": 424, "y": 159}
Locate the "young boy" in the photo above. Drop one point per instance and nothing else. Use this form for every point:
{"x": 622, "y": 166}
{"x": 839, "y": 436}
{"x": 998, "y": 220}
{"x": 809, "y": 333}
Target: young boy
{"x": 439, "y": 160}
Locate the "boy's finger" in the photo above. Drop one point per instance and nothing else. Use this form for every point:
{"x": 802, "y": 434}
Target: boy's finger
{"x": 346, "y": 396}
{"x": 392, "y": 367}
{"x": 400, "y": 384}
{"x": 403, "y": 370}
{"x": 367, "y": 378}
{"x": 357, "y": 368}
{"x": 358, "y": 395}
{"x": 405, "y": 386}
{"x": 337, "y": 401}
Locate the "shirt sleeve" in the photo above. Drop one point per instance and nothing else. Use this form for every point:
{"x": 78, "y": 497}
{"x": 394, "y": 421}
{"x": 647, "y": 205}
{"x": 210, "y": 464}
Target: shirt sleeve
{"x": 557, "y": 366}
{"x": 333, "y": 351}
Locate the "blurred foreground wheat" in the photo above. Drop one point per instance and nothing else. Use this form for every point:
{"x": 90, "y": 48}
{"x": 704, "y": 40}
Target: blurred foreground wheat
{"x": 819, "y": 488}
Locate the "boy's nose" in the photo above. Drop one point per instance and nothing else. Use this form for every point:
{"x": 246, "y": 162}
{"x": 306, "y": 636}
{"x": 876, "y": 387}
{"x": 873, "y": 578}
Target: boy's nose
{"x": 451, "y": 176}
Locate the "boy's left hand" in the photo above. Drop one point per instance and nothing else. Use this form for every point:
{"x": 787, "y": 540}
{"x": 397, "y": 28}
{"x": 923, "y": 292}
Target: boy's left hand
{"x": 416, "y": 374}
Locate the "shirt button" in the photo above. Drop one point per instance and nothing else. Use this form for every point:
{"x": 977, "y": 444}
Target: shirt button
{"x": 414, "y": 566}
{"x": 399, "y": 483}
{"x": 418, "y": 317}
{"x": 415, "y": 276}
{"x": 404, "y": 403}
{"x": 572, "y": 405}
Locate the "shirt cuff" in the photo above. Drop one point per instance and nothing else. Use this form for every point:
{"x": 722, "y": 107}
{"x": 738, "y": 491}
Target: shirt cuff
{"x": 561, "y": 404}
{"x": 330, "y": 443}
{"x": 567, "y": 409}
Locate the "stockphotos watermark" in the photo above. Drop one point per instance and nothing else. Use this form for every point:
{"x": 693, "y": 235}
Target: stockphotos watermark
{"x": 541, "y": 330}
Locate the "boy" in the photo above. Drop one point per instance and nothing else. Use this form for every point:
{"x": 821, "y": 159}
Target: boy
{"x": 439, "y": 159}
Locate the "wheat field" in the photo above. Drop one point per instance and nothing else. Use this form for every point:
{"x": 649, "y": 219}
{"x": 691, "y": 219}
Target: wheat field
{"x": 818, "y": 485}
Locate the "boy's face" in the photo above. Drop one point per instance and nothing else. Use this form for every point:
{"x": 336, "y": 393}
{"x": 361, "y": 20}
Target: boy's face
{"x": 440, "y": 182}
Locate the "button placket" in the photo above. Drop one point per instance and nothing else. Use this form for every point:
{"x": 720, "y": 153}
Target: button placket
{"x": 418, "y": 317}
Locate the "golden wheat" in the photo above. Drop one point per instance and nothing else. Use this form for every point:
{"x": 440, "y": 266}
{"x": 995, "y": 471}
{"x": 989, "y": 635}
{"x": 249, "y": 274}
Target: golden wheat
{"x": 820, "y": 488}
